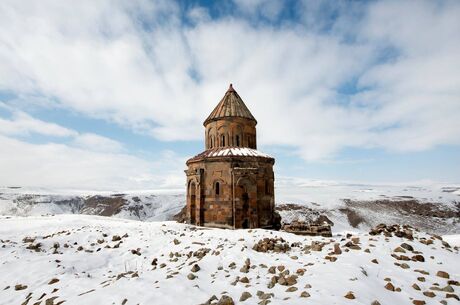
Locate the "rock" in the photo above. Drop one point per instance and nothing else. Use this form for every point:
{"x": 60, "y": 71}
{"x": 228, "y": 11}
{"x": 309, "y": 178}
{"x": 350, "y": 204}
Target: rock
{"x": 352, "y": 246}
{"x": 400, "y": 250}
{"x": 418, "y": 302}
{"x": 281, "y": 268}
{"x": 317, "y": 246}
{"x": 422, "y": 271}
{"x": 375, "y": 302}
{"x": 116, "y": 238}
{"x": 407, "y": 247}
{"x": 404, "y": 266}
{"x": 337, "y": 249}
{"x": 191, "y": 276}
{"x": 350, "y": 295}
{"x": 292, "y": 289}
{"x": 20, "y": 287}
{"x": 421, "y": 279}
{"x": 300, "y": 271}
{"x": 244, "y": 296}
{"x": 389, "y": 286}
{"x": 415, "y": 286}
{"x": 244, "y": 269}
{"x": 195, "y": 268}
{"x": 418, "y": 258}
{"x": 244, "y": 280}
{"x": 442, "y": 274}
{"x": 53, "y": 281}
{"x": 225, "y": 300}
{"x": 375, "y": 261}
{"x": 304, "y": 294}
{"x": 429, "y": 294}
{"x": 453, "y": 296}
{"x": 272, "y": 270}
{"x": 448, "y": 288}
{"x": 176, "y": 241}
{"x": 355, "y": 240}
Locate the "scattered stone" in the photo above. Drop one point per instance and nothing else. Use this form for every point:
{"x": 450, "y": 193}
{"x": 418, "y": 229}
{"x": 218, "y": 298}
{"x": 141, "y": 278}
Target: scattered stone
{"x": 418, "y": 258}
{"x": 407, "y": 247}
{"x": 191, "y": 276}
{"x": 375, "y": 261}
{"x": 389, "y": 286}
{"x": 53, "y": 281}
{"x": 429, "y": 294}
{"x": 116, "y": 238}
{"x": 292, "y": 289}
{"x": 195, "y": 268}
{"x": 226, "y": 300}
{"x": 337, "y": 250}
{"x": 404, "y": 266}
{"x": 304, "y": 294}
{"x": 452, "y": 295}
{"x": 244, "y": 296}
{"x": 415, "y": 286}
{"x": 350, "y": 295}
{"x": 375, "y": 302}
{"x": 20, "y": 287}
{"x": 442, "y": 274}
{"x": 448, "y": 288}
{"x": 176, "y": 241}
{"x": 418, "y": 302}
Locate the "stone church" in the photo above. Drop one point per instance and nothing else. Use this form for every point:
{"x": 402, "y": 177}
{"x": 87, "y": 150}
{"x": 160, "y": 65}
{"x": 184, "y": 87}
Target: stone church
{"x": 231, "y": 183}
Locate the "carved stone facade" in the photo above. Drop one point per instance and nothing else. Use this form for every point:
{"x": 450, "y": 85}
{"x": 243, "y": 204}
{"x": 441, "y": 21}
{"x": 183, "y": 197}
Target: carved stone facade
{"x": 231, "y": 184}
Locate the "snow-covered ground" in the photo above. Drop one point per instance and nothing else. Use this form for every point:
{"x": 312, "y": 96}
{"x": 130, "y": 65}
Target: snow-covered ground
{"x": 83, "y": 259}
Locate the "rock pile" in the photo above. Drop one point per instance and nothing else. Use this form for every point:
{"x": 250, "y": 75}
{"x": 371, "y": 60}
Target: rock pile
{"x": 277, "y": 245}
{"x": 404, "y": 231}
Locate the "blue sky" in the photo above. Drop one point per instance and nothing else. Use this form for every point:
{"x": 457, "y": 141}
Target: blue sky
{"x": 113, "y": 94}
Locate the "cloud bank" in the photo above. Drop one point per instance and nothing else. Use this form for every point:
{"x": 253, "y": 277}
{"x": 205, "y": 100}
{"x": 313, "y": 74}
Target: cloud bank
{"x": 329, "y": 76}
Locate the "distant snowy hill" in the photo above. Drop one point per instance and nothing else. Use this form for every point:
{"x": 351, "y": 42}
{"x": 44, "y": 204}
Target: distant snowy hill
{"x": 81, "y": 259}
{"x": 432, "y": 207}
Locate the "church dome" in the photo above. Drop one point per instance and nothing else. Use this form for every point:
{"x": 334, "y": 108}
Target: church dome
{"x": 231, "y": 105}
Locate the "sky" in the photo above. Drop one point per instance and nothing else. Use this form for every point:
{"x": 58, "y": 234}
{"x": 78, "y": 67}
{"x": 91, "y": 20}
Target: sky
{"x": 113, "y": 94}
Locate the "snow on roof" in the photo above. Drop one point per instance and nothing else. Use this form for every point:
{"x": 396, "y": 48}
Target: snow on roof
{"x": 230, "y": 152}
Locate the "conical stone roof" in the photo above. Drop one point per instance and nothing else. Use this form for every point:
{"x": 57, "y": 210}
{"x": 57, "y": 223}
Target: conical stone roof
{"x": 231, "y": 105}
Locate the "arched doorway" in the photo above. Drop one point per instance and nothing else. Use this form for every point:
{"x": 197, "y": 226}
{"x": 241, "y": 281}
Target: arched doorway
{"x": 192, "y": 194}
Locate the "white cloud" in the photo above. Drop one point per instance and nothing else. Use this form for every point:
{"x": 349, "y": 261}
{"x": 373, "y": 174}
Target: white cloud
{"x": 95, "y": 142}
{"x": 98, "y": 58}
{"x": 23, "y": 124}
{"x": 61, "y": 166}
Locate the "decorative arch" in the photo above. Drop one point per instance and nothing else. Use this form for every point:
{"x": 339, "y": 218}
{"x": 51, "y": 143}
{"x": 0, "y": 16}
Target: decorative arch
{"x": 237, "y": 136}
{"x": 192, "y": 197}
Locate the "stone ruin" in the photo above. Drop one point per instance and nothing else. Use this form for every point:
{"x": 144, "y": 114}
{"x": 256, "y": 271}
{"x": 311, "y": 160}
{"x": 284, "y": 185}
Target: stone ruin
{"x": 322, "y": 226}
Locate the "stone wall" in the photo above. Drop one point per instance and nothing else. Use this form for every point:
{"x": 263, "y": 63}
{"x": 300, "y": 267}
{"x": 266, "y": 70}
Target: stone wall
{"x": 228, "y": 186}
{"x": 237, "y": 132}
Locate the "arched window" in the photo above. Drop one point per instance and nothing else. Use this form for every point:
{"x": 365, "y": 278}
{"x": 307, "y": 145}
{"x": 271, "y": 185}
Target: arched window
{"x": 222, "y": 140}
{"x": 217, "y": 188}
{"x": 237, "y": 140}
